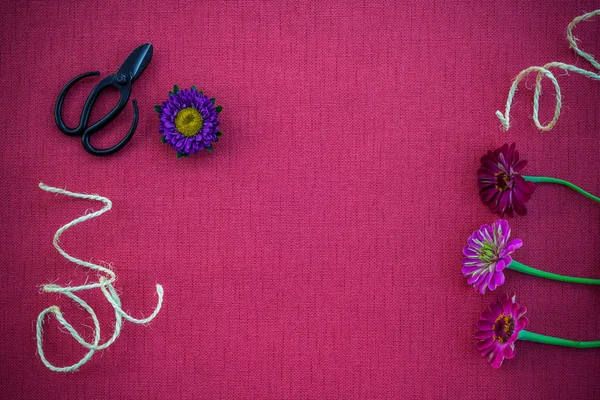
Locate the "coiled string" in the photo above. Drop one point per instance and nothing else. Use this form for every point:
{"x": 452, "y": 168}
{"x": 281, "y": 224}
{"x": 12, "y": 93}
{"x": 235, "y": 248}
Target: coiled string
{"x": 105, "y": 283}
{"x": 545, "y": 72}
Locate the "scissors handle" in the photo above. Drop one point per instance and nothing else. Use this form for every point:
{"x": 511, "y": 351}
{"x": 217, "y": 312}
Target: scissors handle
{"x": 59, "y": 103}
{"x": 122, "y": 83}
{"x": 85, "y": 138}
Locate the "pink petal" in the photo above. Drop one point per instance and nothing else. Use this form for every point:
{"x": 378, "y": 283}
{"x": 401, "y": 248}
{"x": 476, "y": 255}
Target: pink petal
{"x": 487, "y": 316}
{"x": 484, "y": 325}
{"x": 496, "y": 309}
{"x": 500, "y": 265}
{"x": 468, "y": 270}
{"x": 484, "y": 344}
{"x": 520, "y": 165}
{"x": 509, "y": 351}
{"x": 497, "y": 280}
{"x": 515, "y": 243}
{"x": 521, "y": 324}
{"x": 482, "y": 335}
{"x": 469, "y": 252}
{"x": 497, "y": 359}
{"x": 488, "y": 194}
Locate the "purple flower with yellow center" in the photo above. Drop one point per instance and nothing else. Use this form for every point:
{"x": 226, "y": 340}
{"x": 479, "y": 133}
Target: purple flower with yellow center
{"x": 189, "y": 121}
{"x": 501, "y": 185}
{"x": 487, "y": 253}
{"x": 498, "y": 329}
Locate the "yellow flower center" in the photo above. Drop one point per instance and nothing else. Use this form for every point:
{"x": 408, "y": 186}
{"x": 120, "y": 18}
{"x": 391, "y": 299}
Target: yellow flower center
{"x": 503, "y": 181}
{"x": 188, "y": 121}
{"x": 503, "y": 327}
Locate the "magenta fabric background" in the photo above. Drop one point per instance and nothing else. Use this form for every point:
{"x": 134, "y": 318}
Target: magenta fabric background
{"x": 316, "y": 253}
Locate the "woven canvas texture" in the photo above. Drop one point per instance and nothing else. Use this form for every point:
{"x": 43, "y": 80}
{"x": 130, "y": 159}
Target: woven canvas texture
{"x": 316, "y": 253}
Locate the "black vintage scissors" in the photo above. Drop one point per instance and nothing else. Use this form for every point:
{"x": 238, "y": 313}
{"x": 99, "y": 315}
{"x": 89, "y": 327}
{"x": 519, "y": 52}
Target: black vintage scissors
{"x": 131, "y": 69}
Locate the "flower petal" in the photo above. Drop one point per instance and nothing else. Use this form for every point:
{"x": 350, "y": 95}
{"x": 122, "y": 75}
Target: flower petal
{"x": 497, "y": 358}
{"x": 469, "y": 252}
{"x": 500, "y": 265}
{"x": 487, "y": 315}
{"x": 515, "y": 244}
{"x": 521, "y": 324}
{"x": 468, "y": 270}
{"x": 484, "y": 344}
{"x": 497, "y": 280}
{"x": 509, "y": 351}
{"x": 482, "y": 335}
{"x": 496, "y": 308}
{"x": 487, "y": 194}
{"x": 484, "y": 325}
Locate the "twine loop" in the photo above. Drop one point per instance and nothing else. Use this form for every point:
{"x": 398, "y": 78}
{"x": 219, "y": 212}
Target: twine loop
{"x": 105, "y": 283}
{"x": 545, "y": 72}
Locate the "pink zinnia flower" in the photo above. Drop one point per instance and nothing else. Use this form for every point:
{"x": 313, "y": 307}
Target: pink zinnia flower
{"x": 501, "y": 185}
{"x": 487, "y": 253}
{"x": 498, "y": 329}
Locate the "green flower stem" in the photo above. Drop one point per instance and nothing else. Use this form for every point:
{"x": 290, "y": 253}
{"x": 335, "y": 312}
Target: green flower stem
{"x": 545, "y": 179}
{"x": 536, "y": 337}
{"x": 517, "y": 266}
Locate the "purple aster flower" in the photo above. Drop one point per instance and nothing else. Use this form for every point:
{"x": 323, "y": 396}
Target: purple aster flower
{"x": 487, "y": 253}
{"x": 501, "y": 185}
{"x": 498, "y": 329}
{"x": 189, "y": 121}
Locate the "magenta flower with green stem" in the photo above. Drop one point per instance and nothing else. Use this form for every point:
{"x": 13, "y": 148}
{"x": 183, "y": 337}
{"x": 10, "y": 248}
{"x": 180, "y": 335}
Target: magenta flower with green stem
{"x": 488, "y": 253}
{"x": 503, "y": 187}
{"x": 503, "y": 323}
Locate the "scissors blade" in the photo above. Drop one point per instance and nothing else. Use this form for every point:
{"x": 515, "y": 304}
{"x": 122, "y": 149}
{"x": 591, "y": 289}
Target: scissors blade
{"x": 137, "y": 61}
